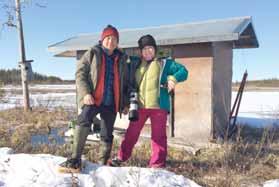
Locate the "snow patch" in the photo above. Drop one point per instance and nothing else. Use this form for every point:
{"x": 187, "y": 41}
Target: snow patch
{"x": 41, "y": 170}
{"x": 271, "y": 183}
{"x": 6, "y": 151}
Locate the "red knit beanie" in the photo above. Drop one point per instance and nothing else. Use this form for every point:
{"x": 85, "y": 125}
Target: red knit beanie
{"x": 108, "y": 31}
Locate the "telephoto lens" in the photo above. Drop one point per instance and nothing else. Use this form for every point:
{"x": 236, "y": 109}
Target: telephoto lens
{"x": 133, "y": 111}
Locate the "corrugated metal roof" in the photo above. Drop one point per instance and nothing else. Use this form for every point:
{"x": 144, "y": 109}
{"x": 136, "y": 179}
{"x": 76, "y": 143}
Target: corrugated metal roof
{"x": 238, "y": 30}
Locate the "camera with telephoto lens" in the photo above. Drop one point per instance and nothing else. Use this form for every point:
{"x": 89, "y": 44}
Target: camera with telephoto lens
{"x": 134, "y": 105}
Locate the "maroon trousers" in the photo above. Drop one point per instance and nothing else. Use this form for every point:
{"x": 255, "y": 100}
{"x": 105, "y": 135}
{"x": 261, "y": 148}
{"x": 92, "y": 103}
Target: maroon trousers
{"x": 158, "y": 118}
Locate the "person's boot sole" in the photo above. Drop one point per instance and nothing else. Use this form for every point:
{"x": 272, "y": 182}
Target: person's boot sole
{"x": 68, "y": 170}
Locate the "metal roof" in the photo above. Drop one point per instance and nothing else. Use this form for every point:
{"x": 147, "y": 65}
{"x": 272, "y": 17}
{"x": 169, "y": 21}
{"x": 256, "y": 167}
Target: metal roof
{"x": 238, "y": 30}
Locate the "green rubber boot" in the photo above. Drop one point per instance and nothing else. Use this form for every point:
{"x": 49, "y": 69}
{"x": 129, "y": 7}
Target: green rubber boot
{"x": 104, "y": 152}
{"x": 80, "y": 136}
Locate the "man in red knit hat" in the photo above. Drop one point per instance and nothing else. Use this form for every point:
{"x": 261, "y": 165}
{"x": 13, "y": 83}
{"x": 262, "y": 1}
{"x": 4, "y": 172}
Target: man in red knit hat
{"x": 101, "y": 81}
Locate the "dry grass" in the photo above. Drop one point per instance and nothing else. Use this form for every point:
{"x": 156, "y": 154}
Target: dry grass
{"x": 231, "y": 165}
{"x": 241, "y": 163}
{"x": 38, "y": 117}
{"x": 17, "y": 128}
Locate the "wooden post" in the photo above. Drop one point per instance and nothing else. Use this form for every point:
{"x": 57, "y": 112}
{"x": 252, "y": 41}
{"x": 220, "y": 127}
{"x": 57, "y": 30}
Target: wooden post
{"x": 231, "y": 128}
{"x": 172, "y": 112}
{"x": 23, "y": 66}
{"x": 172, "y": 105}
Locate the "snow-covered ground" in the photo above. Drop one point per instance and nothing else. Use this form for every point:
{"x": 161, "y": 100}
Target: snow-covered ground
{"x": 271, "y": 183}
{"x": 259, "y": 104}
{"x": 258, "y": 108}
{"x": 40, "y": 170}
{"x": 50, "y": 100}
{"x": 25, "y": 170}
{"x": 42, "y": 87}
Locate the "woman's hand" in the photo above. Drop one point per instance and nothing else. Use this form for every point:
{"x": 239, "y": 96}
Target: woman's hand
{"x": 171, "y": 85}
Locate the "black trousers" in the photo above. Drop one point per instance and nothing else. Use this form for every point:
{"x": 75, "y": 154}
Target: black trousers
{"x": 108, "y": 116}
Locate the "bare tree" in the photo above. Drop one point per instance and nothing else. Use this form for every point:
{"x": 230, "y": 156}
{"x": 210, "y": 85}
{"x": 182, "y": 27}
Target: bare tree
{"x": 12, "y": 15}
{"x": 8, "y": 10}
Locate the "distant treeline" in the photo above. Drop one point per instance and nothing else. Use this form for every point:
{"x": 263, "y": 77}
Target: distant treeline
{"x": 274, "y": 82}
{"x": 13, "y": 76}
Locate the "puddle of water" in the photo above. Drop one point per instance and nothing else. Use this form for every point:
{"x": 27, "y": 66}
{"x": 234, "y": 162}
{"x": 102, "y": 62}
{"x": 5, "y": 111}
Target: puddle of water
{"x": 52, "y": 138}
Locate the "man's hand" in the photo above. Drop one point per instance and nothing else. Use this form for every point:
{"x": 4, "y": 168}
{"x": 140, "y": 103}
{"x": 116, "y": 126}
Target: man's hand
{"x": 171, "y": 85}
{"x": 125, "y": 110}
{"x": 88, "y": 99}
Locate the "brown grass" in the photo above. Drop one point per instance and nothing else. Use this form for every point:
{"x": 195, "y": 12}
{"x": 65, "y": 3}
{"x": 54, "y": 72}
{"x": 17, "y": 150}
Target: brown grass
{"x": 241, "y": 163}
{"x": 17, "y": 127}
{"x": 38, "y": 117}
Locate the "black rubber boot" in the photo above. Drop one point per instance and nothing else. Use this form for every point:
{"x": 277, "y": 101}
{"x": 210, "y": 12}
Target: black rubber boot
{"x": 72, "y": 165}
{"x": 115, "y": 162}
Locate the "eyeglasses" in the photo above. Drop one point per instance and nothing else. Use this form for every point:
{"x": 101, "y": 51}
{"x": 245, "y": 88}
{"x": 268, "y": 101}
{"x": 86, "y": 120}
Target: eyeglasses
{"x": 148, "y": 48}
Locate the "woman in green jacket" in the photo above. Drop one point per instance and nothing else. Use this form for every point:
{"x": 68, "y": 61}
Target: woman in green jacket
{"x": 154, "y": 80}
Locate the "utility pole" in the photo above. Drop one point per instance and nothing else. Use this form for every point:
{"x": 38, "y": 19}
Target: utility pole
{"x": 23, "y": 64}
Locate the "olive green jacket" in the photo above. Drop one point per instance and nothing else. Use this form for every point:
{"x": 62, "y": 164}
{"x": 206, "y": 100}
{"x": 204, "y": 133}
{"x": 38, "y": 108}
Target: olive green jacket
{"x": 87, "y": 75}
